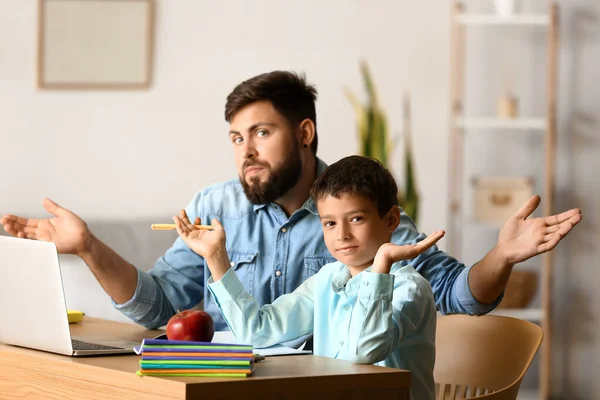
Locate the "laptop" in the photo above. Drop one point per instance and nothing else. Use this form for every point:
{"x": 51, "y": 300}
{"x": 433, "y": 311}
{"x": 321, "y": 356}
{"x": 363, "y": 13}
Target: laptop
{"x": 33, "y": 310}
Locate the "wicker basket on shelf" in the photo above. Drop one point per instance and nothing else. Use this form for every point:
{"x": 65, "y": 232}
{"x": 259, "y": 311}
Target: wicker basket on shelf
{"x": 520, "y": 289}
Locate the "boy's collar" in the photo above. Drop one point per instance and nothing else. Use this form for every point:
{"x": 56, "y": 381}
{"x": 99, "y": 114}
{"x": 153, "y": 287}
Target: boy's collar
{"x": 345, "y": 282}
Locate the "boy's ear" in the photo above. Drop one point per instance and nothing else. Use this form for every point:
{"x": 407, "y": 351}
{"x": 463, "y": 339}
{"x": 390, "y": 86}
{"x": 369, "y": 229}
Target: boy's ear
{"x": 393, "y": 218}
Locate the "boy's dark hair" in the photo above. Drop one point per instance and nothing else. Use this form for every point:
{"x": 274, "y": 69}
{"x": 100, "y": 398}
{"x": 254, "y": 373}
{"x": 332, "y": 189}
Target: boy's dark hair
{"x": 358, "y": 175}
{"x": 289, "y": 93}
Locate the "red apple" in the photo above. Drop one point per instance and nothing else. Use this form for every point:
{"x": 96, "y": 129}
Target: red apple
{"x": 194, "y": 325}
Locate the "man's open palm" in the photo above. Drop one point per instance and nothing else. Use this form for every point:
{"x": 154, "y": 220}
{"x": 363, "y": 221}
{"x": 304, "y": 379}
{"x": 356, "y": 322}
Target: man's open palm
{"x": 66, "y": 230}
{"x": 522, "y": 238}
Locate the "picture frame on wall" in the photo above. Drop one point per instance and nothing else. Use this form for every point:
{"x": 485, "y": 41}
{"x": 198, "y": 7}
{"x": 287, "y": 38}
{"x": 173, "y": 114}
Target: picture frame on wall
{"x": 95, "y": 44}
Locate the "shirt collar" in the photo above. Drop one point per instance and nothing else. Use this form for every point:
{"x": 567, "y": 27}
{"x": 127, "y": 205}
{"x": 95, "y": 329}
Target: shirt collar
{"x": 345, "y": 282}
{"x": 309, "y": 205}
{"x": 341, "y": 279}
{"x": 257, "y": 207}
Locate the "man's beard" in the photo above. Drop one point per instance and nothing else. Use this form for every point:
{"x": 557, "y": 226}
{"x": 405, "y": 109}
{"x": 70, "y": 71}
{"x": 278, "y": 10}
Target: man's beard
{"x": 281, "y": 180}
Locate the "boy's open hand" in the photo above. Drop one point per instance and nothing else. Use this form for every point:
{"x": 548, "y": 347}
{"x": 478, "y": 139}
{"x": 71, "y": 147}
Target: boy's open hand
{"x": 204, "y": 242}
{"x": 390, "y": 253}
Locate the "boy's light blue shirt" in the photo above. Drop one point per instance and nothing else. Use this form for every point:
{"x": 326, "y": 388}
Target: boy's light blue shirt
{"x": 272, "y": 255}
{"x": 371, "y": 318}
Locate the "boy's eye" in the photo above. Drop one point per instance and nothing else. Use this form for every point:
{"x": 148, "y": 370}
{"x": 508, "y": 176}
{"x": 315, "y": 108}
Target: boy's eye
{"x": 356, "y": 219}
{"x": 328, "y": 224}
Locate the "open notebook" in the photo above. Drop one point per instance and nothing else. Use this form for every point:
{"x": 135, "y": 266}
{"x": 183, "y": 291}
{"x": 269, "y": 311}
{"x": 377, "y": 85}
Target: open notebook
{"x": 277, "y": 350}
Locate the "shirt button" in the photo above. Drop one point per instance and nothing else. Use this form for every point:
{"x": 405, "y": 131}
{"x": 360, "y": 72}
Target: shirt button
{"x": 341, "y": 342}
{"x": 366, "y": 283}
{"x": 278, "y": 273}
{"x": 232, "y": 264}
{"x": 346, "y": 307}
{"x": 284, "y": 230}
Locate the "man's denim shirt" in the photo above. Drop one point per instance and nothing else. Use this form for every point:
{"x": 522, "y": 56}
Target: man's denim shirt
{"x": 272, "y": 255}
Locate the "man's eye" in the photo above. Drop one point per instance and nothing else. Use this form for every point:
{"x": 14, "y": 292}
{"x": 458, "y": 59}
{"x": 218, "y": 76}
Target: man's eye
{"x": 237, "y": 140}
{"x": 261, "y": 133}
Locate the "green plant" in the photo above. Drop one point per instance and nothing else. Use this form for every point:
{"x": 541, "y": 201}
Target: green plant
{"x": 375, "y": 141}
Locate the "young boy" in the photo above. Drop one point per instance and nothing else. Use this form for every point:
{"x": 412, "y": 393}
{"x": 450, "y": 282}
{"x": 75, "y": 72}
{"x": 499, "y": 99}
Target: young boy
{"x": 367, "y": 307}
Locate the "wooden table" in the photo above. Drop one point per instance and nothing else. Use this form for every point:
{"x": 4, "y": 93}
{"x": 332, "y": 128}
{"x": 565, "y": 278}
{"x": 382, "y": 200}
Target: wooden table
{"x": 32, "y": 374}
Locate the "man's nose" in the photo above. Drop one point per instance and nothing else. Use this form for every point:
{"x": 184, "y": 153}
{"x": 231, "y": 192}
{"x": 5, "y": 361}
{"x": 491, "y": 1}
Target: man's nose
{"x": 249, "y": 150}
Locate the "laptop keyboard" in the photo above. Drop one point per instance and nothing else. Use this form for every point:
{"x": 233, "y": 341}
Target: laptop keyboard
{"x": 79, "y": 345}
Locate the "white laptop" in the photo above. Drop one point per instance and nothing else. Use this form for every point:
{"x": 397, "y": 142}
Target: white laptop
{"x": 33, "y": 310}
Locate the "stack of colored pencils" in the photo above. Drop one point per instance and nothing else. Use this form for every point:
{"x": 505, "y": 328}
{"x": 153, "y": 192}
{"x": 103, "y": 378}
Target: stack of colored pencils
{"x": 184, "y": 358}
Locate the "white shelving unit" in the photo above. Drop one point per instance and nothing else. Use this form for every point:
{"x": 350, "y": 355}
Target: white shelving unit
{"x": 523, "y": 19}
{"x": 487, "y": 225}
{"x": 482, "y": 123}
{"x": 461, "y": 125}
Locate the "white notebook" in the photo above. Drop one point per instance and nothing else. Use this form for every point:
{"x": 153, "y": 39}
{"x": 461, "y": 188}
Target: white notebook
{"x": 277, "y": 350}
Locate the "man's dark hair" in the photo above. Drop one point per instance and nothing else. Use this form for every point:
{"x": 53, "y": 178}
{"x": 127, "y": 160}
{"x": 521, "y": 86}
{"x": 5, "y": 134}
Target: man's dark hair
{"x": 358, "y": 175}
{"x": 289, "y": 93}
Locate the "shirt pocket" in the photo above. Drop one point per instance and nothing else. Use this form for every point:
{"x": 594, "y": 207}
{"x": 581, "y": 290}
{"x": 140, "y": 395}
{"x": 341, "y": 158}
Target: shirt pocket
{"x": 312, "y": 264}
{"x": 244, "y": 265}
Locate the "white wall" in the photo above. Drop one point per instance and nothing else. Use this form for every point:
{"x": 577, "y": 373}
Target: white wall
{"x": 111, "y": 155}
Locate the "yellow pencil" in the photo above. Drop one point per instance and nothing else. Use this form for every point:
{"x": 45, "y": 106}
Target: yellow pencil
{"x": 171, "y": 227}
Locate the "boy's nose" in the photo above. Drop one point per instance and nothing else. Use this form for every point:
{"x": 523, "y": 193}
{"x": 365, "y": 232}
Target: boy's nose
{"x": 343, "y": 235}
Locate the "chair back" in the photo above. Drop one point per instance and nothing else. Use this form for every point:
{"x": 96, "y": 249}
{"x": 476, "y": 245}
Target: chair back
{"x": 483, "y": 357}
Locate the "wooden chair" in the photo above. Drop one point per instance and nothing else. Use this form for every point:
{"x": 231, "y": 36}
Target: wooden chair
{"x": 483, "y": 357}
